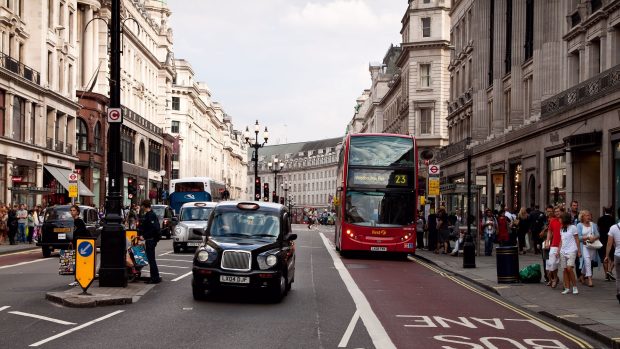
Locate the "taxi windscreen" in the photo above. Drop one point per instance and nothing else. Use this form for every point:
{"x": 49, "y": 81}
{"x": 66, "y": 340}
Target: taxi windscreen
{"x": 245, "y": 224}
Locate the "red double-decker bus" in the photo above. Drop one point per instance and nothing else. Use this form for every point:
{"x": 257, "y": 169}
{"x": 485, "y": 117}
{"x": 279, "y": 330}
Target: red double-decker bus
{"x": 377, "y": 196}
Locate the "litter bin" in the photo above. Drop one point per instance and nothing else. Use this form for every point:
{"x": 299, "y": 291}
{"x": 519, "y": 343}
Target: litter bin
{"x": 507, "y": 264}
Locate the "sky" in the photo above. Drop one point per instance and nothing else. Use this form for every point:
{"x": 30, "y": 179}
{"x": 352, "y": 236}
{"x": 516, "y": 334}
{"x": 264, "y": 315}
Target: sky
{"x": 296, "y": 66}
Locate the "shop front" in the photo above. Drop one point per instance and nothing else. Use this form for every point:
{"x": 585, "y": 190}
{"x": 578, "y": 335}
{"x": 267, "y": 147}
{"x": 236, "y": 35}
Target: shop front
{"x": 616, "y": 172}
{"x": 498, "y": 174}
{"x": 56, "y": 181}
{"x": 22, "y": 176}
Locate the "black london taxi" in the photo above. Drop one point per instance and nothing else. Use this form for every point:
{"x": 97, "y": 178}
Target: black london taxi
{"x": 248, "y": 245}
{"x": 57, "y": 227}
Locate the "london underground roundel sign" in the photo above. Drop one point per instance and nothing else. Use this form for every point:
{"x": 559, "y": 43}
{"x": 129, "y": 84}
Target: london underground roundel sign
{"x": 433, "y": 170}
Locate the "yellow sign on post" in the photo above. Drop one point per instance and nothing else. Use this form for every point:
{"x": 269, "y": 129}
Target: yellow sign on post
{"x": 130, "y": 235}
{"x": 73, "y": 190}
{"x": 85, "y": 262}
{"x": 433, "y": 186}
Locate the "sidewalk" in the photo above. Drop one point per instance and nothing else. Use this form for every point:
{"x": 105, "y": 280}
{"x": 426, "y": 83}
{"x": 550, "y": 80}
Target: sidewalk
{"x": 6, "y": 248}
{"x": 595, "y": 311}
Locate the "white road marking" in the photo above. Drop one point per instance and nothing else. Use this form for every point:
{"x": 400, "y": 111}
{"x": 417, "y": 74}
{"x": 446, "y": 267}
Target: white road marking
{"x": 5, "y": 307}
{"x": 41, "y": 317}
{"x": 176, "y": 260}
{"x": 75, "y": 329}
{"x": 182, "y": 276}
{"x": 167, "y": 253}
{"x": 347, "y": 334}
{"x": 375, "y": 329}
{"x": 172, "y": 266}
{"x": 24, "y": 263}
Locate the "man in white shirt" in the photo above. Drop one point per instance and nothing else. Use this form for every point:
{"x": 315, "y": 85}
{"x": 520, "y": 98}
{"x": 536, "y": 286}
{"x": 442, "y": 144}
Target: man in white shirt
{"x": 613, "y": 239}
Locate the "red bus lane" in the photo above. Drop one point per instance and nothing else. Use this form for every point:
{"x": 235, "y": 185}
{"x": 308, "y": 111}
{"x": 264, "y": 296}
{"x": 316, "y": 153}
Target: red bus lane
{"x": 14, "y": 258}
{"x": 422, "y": 307}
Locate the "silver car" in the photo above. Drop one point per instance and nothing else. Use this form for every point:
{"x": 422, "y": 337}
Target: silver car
{"x": 191, "y": 223}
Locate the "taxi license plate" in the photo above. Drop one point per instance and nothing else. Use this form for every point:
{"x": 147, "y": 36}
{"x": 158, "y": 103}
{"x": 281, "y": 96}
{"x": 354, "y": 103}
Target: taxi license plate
{"x": 62, "y": 230}
{"x": 235, "y": 279}
{"x": 193, "y": 244}
{"x": 378, "y": 248}
{"x": 62, "y": 236}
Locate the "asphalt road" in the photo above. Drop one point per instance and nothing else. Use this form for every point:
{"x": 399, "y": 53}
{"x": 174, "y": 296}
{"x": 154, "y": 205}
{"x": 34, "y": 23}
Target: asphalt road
{"x": 358, "y": 302}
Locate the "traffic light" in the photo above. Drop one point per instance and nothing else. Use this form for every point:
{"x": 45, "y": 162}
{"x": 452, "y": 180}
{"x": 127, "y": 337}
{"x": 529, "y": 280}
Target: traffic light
{"x": 257, "y": 189}
{"x": 131, "y": 187}
{"x": 266, "y": 190}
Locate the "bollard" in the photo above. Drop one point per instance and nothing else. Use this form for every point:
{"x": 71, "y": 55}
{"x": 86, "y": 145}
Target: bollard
{"x": 507, "y": 258}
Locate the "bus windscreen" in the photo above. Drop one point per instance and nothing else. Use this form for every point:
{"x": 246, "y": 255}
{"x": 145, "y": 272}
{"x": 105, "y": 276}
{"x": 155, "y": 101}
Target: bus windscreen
{"x": 381, "y": 151}
{"x": 188, "y": 187}
{"x": 380, "y": 209}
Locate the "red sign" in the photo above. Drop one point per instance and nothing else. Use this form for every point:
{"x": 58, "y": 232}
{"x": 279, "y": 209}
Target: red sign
{"x": 73, "y": 177}
{"x": 433, "y": 169}
{"x": 78, "y": 171}
{"x": 16, "y": 179}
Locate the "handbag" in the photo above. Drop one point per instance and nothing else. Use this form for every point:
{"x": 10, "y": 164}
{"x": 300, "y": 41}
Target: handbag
{"x": 594, "y": 245}
{"x": 67, "y": 262}
{"x": 139, "y": 255}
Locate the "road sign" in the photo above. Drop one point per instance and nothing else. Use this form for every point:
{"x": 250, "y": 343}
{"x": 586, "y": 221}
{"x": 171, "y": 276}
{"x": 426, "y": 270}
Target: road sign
{"x": 433, "y": 186}
{"x": 85, "y": 262}
{"x": 130, "y": 235}
{"x": 73, "y": 190}
{"x": 433, "y": 170}
{"x": 73, "y": 177}
{"x": 115, "y": 115}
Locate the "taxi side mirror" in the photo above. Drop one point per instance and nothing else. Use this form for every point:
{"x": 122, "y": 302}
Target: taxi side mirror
{"x": 291, "y": 237}
{"x": 174, "y": 220}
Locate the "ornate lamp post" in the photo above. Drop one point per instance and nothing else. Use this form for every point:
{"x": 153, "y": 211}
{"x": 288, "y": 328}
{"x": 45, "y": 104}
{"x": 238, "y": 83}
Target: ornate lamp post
{"x": 275, "y": 167}
{"x": 256, "y": 145}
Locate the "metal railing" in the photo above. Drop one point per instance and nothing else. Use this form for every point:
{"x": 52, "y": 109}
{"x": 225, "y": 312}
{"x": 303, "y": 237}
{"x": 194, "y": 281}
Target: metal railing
{"x": 19, "y": 68}
{"x": 50, "y": 143}
{"x": 585, "y": 92}
{"x": 60, "y": 146}
{"x": 69, "y": 149}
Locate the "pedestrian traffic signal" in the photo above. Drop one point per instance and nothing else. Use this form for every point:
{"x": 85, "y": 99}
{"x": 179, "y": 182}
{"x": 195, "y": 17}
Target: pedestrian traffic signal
{"x": 257, "y": 189}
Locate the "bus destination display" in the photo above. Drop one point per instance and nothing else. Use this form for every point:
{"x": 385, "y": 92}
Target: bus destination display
{"x": 378, "y": 178}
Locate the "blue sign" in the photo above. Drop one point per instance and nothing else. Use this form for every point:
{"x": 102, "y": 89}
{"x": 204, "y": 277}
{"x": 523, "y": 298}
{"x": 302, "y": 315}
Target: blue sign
{"x": 85, "y": 249}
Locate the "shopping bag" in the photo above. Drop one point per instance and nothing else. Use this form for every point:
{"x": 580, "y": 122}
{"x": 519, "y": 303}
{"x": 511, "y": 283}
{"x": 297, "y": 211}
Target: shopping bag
{"x": 67, "y": 262}
{"x": 139, "y": 255}
{"x": 530, "y": 274}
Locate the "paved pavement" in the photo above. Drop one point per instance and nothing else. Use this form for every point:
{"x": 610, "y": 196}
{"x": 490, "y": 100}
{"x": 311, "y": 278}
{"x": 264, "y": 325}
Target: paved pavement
{"x": 6, "y": 248}
{"x": 594, "y": 311}
{"x": 99, "y": 296}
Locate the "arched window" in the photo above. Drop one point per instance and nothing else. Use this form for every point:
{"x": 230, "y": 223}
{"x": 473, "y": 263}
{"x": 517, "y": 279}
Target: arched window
{"x": 82, "y": 135}
{"x": 141, "y": 154}
{"x": 98, "y": 137}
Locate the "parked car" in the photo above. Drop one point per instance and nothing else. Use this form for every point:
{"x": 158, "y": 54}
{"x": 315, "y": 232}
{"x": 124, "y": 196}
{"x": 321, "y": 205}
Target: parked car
{"x": 247, "y": 245}
{"x": 190, "y": 225}
{"x": 164, "y": 215}
{"x": 57, "y": 227}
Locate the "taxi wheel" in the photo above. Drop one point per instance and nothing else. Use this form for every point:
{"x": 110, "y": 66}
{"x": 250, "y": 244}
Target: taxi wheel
{"x": 279, "y": 291}
{"x": 198, "y": 293}
{"x": 176, "y": 249}
{"x": 47, "y": 252}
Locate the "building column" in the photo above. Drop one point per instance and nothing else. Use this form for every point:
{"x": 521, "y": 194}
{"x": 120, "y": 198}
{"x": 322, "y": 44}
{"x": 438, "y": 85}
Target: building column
{"x": 8, "y": 112}
{"x": 5, "y": 42}
{"x": 9, "y": 183}
{"x": 569, "y": 177}
{"x": 583, "y": 67}
{"x": 602, "y": 54}
{"x": 611, "y": 59}
{"x": 27, "y": 119}
{"x": 39, "y": 181}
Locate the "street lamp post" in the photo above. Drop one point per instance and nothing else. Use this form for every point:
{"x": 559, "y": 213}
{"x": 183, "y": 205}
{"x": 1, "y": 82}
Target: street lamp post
{"x": 162, "y": 173}
{"x": 469, "y": 249}
{"x": 275, "y": 167}
{"x": 256, "y": 145}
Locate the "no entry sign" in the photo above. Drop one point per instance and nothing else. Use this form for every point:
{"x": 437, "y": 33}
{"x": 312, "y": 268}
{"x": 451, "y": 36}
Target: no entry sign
{"x": 115, "y": 115}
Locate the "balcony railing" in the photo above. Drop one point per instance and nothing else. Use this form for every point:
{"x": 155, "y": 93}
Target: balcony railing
{"x": 60, "y": 146}
{"x": 452, "y": 149}
{"x": 50, "y": 143}
{"x": 69, "y": 149}
{"x": 587, "y": 91}
{"x": 19, "y": 68}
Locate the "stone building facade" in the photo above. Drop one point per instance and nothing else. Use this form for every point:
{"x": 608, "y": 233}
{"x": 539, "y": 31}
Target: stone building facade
{"x": 536, "y": 102}
{"x": 309, "y": 172}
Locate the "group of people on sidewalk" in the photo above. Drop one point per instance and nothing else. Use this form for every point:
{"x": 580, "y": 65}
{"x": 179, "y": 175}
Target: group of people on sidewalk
{"x": 19, "y": 223}
{"x": 567, "y": 240}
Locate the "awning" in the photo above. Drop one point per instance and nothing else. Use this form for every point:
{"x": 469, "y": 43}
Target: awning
{"x": 62, "y": 176}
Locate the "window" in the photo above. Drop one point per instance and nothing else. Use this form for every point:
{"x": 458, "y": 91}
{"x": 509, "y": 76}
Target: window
{"x": 427, "y": 1}
{"x": 2, "y": 113}
{"x": 529, "y": 29}
{"x": 175, "y": 174}
{"x": 70, "y": 25}
{"x": 127, "y": 147}
{"x": 50, "y": 14}
{"x": 61, "y": 14}
{"x": 19, "y": 118}
{"x": 616, "y": 169}
{"x": 175, "y": 126}
{"x": 176, "y": 103}
{"x": 33, "y": 118}
{"x": 425, "y": 121}
{"x": 82, "y": 135}
{"x": 491, "y": 24}
{"x": 97, "y": 137}
{"x": 426, "y": 27}
{"x": 507, "y": 107}
{"x": 154, "y": 156}
{"x": 425, "y": 75}
{"x": 508, "y": 59}
{"x": 556, "y": 174}
{"x": 50, "y": 67}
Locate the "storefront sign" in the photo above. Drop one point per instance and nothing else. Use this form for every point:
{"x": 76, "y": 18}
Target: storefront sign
{"x": 433, "y": 186}
{"x": 17, "y": 179}
{"x": 498, "y": 179}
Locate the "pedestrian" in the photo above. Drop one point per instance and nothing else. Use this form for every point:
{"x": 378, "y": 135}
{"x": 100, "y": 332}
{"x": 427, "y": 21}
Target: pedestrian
{"x": 605, "y": 222}
{"x": 431, "y": 226}
{"x": 12, "y": 223}
{"x": 569, "y": 251}
{"x": 613, "y": 240}
{"x": 79, "y": 227}
{"x": 419, "y": 230}
{"x": 149, "y": 230}
{"x": 588, "y": 233}
{"x": 537, "y": 221}
{"x": 443, "y": 227}
{"x": 30, "y": 226}
{"x": 574, "y": 212}
{"x": 553, "y": 241}
{"x": 523, "y": 227}
{"x": 22, "y": 221}
{"x": 503, "y": 228}
{"x": 4, "y": 229}
{"x": 489, "y": 227}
